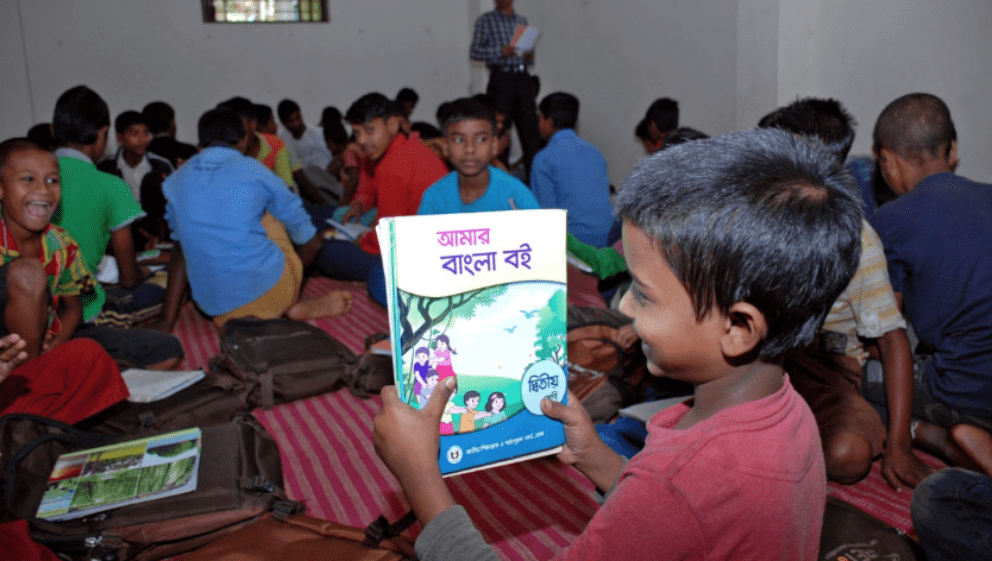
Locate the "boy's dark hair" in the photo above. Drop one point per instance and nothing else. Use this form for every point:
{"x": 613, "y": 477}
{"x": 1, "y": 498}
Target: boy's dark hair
{"x": 431, "y": 372}
{"x": 465, "y": 109}
{"x": 469, "y": 395}
{"x": 562, "y": 108}
{"x": 407, "y": 94}
{"x": 682, "y": 134}
{"x": 263, "y": 113}
{"x": 823, "y": 119}
{"x": 182, "y": 150}
{"x": 242, "y": 106}
{"x": 286, "y": 108}
{"x": 426, "y": 130}
{"x": 334, "y": 132}
{"x": 915, "y": 126}
{"x": 80, "y": 113}
{"x": 641, "y": 130}
{"x": 41, "y": 134}
{"x": 664, "y": 112}
{"x": 127, "y": 119}
{"x": 369, "y": 107}
{"x": 221, "y": 126}
{"x": 158, "y": 116}
{"x": 421, "y": 350}
{"x": 330, "y": 114}
{"x": 758, "y": 216}
{"x": 442, "y": 112}
{"x": 11, "y": 145}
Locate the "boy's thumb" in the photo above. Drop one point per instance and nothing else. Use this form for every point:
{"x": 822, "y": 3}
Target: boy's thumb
{"x": 439, "y": 397}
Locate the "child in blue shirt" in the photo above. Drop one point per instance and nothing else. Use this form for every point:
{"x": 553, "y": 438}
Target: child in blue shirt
{"x": 475, "y": 186}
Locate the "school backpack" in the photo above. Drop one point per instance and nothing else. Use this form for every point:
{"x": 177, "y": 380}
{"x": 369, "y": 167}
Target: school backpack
{"x": 214, "y": 400}
{"x": 282, "y": 360}
{"x": 239, "y": 480}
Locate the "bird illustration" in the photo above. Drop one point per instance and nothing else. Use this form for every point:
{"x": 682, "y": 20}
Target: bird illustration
{"x": 529, "y": 314}
{"x": 509, "y": 329}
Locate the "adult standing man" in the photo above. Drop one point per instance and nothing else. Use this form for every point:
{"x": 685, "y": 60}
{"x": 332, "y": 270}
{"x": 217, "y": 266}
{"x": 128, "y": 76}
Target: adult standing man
{"x": 510, "y": 85}
{"x": 937, "y": 236}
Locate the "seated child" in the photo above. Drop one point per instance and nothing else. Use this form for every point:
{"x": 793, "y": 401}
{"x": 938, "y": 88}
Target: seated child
{"x": 42, "y": 276}
{"x": 570, "y": 173}
{"x": 737, "y": 245}
{"x": 475, "y": 185}
{"x": 144, "y": 172}
{"x": 401, "y": 169}
{"x": 347, "y": 158}
{"x": 98, "y": 210}
{"x": 235, "y": 226}
{"x": 273, "y": 152}
{"x": 308, "y": 149}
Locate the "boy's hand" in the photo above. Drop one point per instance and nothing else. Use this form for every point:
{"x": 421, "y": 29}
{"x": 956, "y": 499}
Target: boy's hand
{"x": 407, "y": 441}
{"x": 583, "y": 447}
{"x": 355, "y": 210}
{"x": 12, "y": 354}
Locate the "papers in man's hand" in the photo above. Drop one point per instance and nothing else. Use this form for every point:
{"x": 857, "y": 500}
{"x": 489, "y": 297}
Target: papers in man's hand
{"x": 152, "y": 385}
{"x": 524, "y": 39}
{"x": 349, "y": 231}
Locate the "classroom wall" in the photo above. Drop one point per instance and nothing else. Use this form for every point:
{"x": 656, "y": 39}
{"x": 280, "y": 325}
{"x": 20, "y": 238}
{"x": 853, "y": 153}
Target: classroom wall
{"x": 867, "y": 54}
{"x": 618, "y": 57}
{"x": 135, "y": 51}
{"x": 728, "y": 62}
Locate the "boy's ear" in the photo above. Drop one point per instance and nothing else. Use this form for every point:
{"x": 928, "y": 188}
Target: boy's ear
{"x": 745, "y": 328}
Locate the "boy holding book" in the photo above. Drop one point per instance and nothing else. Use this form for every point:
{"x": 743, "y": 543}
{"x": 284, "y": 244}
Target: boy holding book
{"x": 475, "y": 185}
{"x": 738, "y": 245}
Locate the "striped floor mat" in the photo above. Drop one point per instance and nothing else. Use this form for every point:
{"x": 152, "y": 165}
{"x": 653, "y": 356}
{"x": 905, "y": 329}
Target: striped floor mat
{"x": 329, "y": 462}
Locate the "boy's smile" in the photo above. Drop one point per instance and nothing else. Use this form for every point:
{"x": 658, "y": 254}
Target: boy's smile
{"x": 29, "y": 192}
{"x": 374, "y": 137}
{"x": 675, "y": 344}
{"x": 471, "y": 145}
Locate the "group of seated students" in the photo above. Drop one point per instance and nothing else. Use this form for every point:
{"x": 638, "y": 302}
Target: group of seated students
{"x": 758, "y": 268}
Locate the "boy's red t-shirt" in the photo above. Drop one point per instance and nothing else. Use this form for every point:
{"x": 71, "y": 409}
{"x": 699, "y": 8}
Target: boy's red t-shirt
{"x": 397, "y": 182}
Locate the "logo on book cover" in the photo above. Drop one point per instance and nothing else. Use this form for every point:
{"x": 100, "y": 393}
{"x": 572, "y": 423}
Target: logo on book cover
{"x": 454, "y": 454}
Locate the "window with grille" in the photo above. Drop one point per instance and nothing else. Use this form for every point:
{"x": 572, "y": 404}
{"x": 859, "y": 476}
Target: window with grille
{"x": 265, "y": 11}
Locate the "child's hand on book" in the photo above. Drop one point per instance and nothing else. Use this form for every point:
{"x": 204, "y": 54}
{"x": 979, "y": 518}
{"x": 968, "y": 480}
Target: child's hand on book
{"x": 407, "y": 441}
{"x": 583, "y": 447}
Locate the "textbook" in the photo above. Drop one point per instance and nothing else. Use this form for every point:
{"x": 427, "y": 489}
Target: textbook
{"x": 480, "y": 297}
{"x": 99, "y": 479}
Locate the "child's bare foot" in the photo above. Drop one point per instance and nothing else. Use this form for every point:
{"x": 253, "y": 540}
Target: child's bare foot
{"x": 938, "y": 441}
{"x": 334, "y": 303}
{"x": 976, "y": 444}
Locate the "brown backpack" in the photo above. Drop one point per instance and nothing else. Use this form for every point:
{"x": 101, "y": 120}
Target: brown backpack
{"x": 239, "y": 479}
{"x": 282, "y": 360}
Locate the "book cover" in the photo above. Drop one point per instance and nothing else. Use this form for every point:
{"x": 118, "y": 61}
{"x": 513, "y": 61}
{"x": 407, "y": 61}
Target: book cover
{"x": 480, "y": 297}
{"x": 99, "y": 479}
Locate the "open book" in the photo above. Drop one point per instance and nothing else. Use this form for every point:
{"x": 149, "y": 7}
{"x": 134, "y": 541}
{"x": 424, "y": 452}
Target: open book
{"x": 98, "y": 479}
{"x": 480, "y": 297}
{"x": 349, "y": 231}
